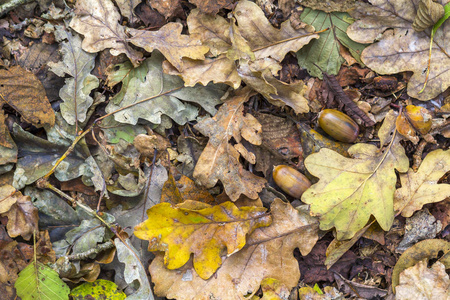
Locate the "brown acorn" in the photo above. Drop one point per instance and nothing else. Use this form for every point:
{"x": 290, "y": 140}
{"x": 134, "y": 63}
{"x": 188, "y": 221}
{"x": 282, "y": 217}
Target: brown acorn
{"x": 291, "y": 181}
{"x": 419, "y": 117}
{"x": 338, "y": 125}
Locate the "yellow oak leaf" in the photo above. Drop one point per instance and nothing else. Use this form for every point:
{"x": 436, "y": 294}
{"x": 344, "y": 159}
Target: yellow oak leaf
{"x": 220, "y": 160}
{"x": 350, "y": 190}
{"x": 422, "y": 187}
{"x": 201, "y": 229}
{"x": 269, "y": 253}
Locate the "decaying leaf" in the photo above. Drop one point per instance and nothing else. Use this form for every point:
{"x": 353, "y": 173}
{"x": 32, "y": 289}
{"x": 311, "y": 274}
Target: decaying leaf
{"x": 422, "y": 187}
{"x": 212, "y": 6}
{"x": 220, "y": 160}
{"x": 164, "y": 93}
{"x": 98, "y": 289}
{"x": 268, "y": 254}
{"x": 421, "y": 282}
{"x": 325, "y": 51}
{"x": 350, "y": 190}
{"x": 275, "y": 91}
{"x": 22, "y": 215}
{"x": 78, "y": 64}
{"x": 134, "y": 272}
{"x": 127, "y": 9}
{"x": 401, "y": 48}
{"x": 201, "y": 229}
{"x": 217, "y": 70}
{"x": 23, "y": 91}
{"x": 427, "y": 249}
{"x": 108, "y": 33}
{"x": 170, "y": 42}
{"x": 331, "y": 5}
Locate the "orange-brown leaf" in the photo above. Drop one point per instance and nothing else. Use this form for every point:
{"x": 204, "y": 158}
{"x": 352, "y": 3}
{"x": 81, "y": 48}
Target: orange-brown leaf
{"x": 220, "y": 160}
{"x": 22, "y": 91}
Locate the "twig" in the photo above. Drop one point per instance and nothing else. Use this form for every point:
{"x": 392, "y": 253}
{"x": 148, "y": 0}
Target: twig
{"x": 350, "y": 107}
{"x": 99, "y": 248}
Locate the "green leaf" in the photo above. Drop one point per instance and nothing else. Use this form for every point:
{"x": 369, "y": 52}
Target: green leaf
{"x": 164, "y": 93}
{"x": 324, "y": 52}
{"x": 99, "y": 289}
{"x": 38, "y": 281}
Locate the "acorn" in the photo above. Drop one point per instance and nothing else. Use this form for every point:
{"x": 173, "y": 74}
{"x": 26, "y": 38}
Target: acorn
{"x": 291, "y": 181}
{"x": 338, "y": 125}
{"x": 419, "y": 117}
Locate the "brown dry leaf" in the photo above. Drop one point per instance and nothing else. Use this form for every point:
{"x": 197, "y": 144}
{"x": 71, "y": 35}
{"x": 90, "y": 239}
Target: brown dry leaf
{"x": 254, "y": 39}
{"x": 422, "y": 187}
{"x": 200, "y": 229}
{"x": 127, "y": 9}
{"x": 212, "y": 6}
{"x": 421, "y": 282}
{"x": 8, "y": 197}
{"x": 264, "y": 39}
{"x": 5, "y": 137}
{"x": 330, "y": 5}
{"x": 98, "y": 21}
{"x": 14, "y": 259}
{"x": 22, "y": 217}
{"x": 268, "y": 254}
{"x": 165, "y": 7}
{"x": 170, "y": 42}
{"x": 400, "y": 48}
{"x": 213, "y": 31}
{"x": 220, "y": 160}
{"x": 275, "y": 91}
{"x": 175, "y": 192}
{"x": 217, "y": 70}
{"x": 427, "y": 249}
{"x": 22, "y": 91}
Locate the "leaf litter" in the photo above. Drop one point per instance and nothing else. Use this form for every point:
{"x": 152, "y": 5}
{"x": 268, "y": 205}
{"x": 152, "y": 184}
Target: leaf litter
{"x": 138, "y": 140}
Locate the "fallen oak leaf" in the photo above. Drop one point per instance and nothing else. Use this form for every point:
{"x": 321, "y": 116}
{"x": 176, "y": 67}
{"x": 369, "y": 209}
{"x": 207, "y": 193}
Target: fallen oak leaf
{"x": 268, "y": 254}
{"x": 201, "y": 229}
{"x": 422, "y": 187}
{"x": 170, "y": 42}
{"x": 253, "y": 38}
{"x": 220, "y": 160}
{"x": 400, "y": 48}
{"x": 421, "y": 282}
{"x": 98, "y": 21}
{"x": 350, "y": 190}
{"x": 78, "y": 64}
